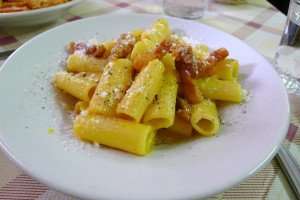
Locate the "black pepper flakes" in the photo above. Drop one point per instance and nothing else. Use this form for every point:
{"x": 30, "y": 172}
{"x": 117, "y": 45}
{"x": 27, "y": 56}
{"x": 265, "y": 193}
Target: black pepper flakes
{"x": 156, "y": 98}
{"x": 84, "y": 74}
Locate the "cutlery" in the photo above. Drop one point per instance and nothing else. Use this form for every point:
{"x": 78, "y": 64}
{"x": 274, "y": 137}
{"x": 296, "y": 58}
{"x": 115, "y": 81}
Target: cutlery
{"x": 290, "y": 168}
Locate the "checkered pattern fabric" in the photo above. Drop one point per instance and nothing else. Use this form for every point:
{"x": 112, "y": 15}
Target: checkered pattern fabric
{"x": 257, "y": 23}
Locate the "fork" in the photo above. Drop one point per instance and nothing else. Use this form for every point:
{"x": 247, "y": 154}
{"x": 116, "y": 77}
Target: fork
{"x": 290, "y": 168}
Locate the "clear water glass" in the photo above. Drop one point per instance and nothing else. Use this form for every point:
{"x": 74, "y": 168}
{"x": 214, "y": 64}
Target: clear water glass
{"x": 287, "y": 58}
{"x": 189, "y": 9}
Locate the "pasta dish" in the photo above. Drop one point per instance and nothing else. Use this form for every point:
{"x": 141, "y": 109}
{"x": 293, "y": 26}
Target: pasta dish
{"x": 22, "y": 5}
{"x": 144, "y": 83}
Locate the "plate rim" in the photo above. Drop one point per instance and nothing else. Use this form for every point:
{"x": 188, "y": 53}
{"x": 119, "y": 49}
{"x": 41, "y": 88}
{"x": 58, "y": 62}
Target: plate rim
{"x": 74, "y": 192}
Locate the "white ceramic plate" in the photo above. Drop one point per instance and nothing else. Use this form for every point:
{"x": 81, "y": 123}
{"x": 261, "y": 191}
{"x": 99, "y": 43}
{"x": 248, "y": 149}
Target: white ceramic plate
{"x": 36, "y": 17}
{"x": 195, "y": 169}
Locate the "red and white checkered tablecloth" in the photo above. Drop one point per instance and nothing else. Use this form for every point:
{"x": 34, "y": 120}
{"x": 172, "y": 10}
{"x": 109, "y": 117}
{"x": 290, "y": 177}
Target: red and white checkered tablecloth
{"x": 257, "y": 23}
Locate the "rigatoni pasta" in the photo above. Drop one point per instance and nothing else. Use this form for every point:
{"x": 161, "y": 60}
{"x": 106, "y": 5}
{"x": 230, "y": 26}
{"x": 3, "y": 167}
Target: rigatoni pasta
{"x": 169, "y": 62}
{"x": 142, "y": 91}
{"x": 80, "y": 106}
{"x": 145, "y": 82}
{"x": 117, "y": 133}
{"x": 161, "y": 112}
{"x": 158, "y": 32}
{"x": 114, "y": 82}
{"x": 204, "y": 118}
{"x": 85, "y": 63}
{"x": 216, "y": 89}
{"x": 76, "y": 85}
{"x": 227, "y": 70}
{"x": 142, "y": 53}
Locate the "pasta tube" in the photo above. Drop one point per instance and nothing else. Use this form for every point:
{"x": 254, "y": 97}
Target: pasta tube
{"x": 108, "y": 47}
{"x": 216, "y": 89}
{"x": 137, "y": 33}
{"x": 117, "y": 133}
{"x": 77, "y": 85}
{"x": 142, "y": 47}
{"x": 161, "y": 112}
{"x": 114, "y": 82}
{"x": 159, "y": 31}
{"x": 204, "y": 118}
{"x": 169, "y": 62}
{"x": 142, "y": 91}
{"x": 227, "y": 70}
{"x": 84, "y": 63}
{"x": 142, "y": 53}
{"x": 80, "y": 106}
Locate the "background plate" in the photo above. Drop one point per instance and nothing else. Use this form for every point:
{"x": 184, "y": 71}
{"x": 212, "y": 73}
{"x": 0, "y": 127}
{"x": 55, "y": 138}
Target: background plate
{"x": 37, "y": 16}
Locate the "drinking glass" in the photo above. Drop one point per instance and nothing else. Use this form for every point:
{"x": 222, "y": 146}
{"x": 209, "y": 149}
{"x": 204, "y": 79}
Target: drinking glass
{"x": 287, "y": 57}
{"x": 190, "y": 9}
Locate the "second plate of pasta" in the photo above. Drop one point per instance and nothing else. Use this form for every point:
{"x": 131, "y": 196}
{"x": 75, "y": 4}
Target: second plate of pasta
{"x": 140, "y": 107}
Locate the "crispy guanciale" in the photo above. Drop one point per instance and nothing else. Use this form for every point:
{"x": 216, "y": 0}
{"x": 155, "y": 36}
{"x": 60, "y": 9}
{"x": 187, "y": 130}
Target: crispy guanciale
{"x": 123, "y": 46}
{"x": 189, "y": 67}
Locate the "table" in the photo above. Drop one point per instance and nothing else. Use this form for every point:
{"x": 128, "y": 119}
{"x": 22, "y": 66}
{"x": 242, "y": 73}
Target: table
{"x": 257, "y": 23}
